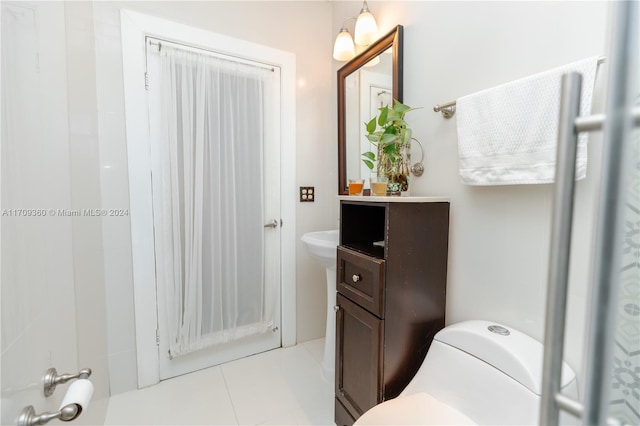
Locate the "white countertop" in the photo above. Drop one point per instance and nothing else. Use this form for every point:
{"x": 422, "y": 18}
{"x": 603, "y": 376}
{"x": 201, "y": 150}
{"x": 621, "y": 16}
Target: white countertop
{"x": 370, "y": 199}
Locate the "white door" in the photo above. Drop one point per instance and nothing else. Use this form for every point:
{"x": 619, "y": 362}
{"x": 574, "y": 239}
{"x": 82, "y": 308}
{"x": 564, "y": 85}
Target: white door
{"x": 256, "y": 216}
{"x": 38, "y": 306}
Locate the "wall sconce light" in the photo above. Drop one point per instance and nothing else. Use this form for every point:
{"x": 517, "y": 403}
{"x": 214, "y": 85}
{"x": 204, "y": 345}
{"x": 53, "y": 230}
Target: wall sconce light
{"x": 366, "y": 32}
{"x": 366, "y": 27}
{"x": 343, "y": 48}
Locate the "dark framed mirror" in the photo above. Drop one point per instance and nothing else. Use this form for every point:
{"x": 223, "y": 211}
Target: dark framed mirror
{"x": 367, "y": 82}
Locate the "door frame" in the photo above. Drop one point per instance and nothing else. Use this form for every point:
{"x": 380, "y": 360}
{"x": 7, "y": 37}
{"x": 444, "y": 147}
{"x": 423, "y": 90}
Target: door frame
{"x": 135, "y": 28}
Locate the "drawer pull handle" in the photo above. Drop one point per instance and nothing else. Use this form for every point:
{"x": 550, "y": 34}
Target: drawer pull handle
{"x": 356, "y": 278}
{"x": 336, "y": 308}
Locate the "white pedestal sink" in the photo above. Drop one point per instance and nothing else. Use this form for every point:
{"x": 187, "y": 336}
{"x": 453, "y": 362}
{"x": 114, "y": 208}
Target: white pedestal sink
{"x": 321, "y": 246}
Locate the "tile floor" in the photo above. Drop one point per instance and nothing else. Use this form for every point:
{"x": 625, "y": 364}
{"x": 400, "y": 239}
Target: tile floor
{"x": 279, "y": 387}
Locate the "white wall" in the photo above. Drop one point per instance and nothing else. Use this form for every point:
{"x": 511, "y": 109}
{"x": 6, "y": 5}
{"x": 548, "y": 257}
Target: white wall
{"x": 299, "y": 27}
{"x": 88, "y": 260}
{"x": 37, "y": 272}
{"x": 53, "y": 310}
{"x": 499, "y": 236}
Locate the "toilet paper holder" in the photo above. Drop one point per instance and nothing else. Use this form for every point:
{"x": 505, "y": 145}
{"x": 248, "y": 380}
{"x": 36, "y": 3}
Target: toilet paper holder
{"x": 67, "y": 412}
{"x": 28, "y": 417}
{"x": 51, "y": 379}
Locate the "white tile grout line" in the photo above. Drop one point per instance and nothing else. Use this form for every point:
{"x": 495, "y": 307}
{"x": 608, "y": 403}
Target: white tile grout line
{"x": 226, "y": 385}
{"x": 303, "y": 344}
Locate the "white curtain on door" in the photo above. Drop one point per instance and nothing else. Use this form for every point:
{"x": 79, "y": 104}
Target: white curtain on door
{"x": 207, "y": 177}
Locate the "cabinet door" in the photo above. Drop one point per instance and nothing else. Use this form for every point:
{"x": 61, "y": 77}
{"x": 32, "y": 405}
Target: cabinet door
{"x": 359, "y": 337}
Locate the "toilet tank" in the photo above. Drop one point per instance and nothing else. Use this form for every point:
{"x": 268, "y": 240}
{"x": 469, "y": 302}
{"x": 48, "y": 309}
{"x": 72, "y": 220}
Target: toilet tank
{"x": 489, "y": 372}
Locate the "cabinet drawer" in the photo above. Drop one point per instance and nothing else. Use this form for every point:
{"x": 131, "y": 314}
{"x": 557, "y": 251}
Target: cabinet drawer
{"x": 361, "y": 279}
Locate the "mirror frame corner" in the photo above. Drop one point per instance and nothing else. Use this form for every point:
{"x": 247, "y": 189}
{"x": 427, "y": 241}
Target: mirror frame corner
{"x": 394, "y": 39}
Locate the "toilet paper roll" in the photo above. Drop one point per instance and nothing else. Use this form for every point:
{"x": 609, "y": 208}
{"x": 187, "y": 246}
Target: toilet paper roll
{"x": 79, "y": 393}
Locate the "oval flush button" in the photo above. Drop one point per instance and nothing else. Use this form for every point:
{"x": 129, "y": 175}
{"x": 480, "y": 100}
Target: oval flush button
{"x": 499, "y": 330}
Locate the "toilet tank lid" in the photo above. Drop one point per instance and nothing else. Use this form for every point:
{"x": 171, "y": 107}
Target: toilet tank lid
{"x": 515, "y": 354}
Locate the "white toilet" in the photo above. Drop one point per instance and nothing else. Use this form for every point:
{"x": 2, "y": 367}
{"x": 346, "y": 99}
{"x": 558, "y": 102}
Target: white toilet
{"x": 476, "y": 372}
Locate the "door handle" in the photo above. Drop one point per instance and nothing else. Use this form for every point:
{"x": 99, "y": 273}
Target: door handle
{"x": 272, "y": 224}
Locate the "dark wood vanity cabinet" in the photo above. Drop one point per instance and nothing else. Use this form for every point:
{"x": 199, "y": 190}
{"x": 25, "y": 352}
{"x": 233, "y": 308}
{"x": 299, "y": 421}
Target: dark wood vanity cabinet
{"x": 391, "y": 282}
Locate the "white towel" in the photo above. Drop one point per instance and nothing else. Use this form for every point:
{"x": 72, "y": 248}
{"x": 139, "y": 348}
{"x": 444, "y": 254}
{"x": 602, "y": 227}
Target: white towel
{"x": 507, "y": 135}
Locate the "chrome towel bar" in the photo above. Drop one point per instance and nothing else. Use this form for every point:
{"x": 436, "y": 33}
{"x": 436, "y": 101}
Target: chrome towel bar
{"x": 448, "y": 109}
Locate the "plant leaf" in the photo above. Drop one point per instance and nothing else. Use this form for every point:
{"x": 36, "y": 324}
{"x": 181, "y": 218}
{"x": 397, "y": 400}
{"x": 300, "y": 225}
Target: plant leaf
{"x": 400, "y": 108}
{"x": 392, "y": 116}
{"x": 368, "y": 163}
{"x": 382, "y": 120}
{"x": 390, "y": 148}
{"x": 371, "y": 125}
{"x": 370, "y": 155}
{"x": 388, "y": 138}
{"x": 391, "y": 130}
{"x": 373, "y": 138}
{"x": 406, "y": 137}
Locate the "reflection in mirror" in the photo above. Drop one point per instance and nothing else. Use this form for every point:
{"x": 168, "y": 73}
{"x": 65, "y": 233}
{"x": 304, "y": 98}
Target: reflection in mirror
{"x": 369, "y": 81}
{"x": 366, "y": 90}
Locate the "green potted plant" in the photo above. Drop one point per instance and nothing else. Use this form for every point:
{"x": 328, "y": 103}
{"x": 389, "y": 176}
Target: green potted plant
{"x": 391, "y": 137}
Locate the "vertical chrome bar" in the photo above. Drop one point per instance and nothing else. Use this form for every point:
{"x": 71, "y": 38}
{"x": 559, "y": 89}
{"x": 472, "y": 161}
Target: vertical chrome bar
{"x": 621, "y": 89}
{"x": 560, "y": 248}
